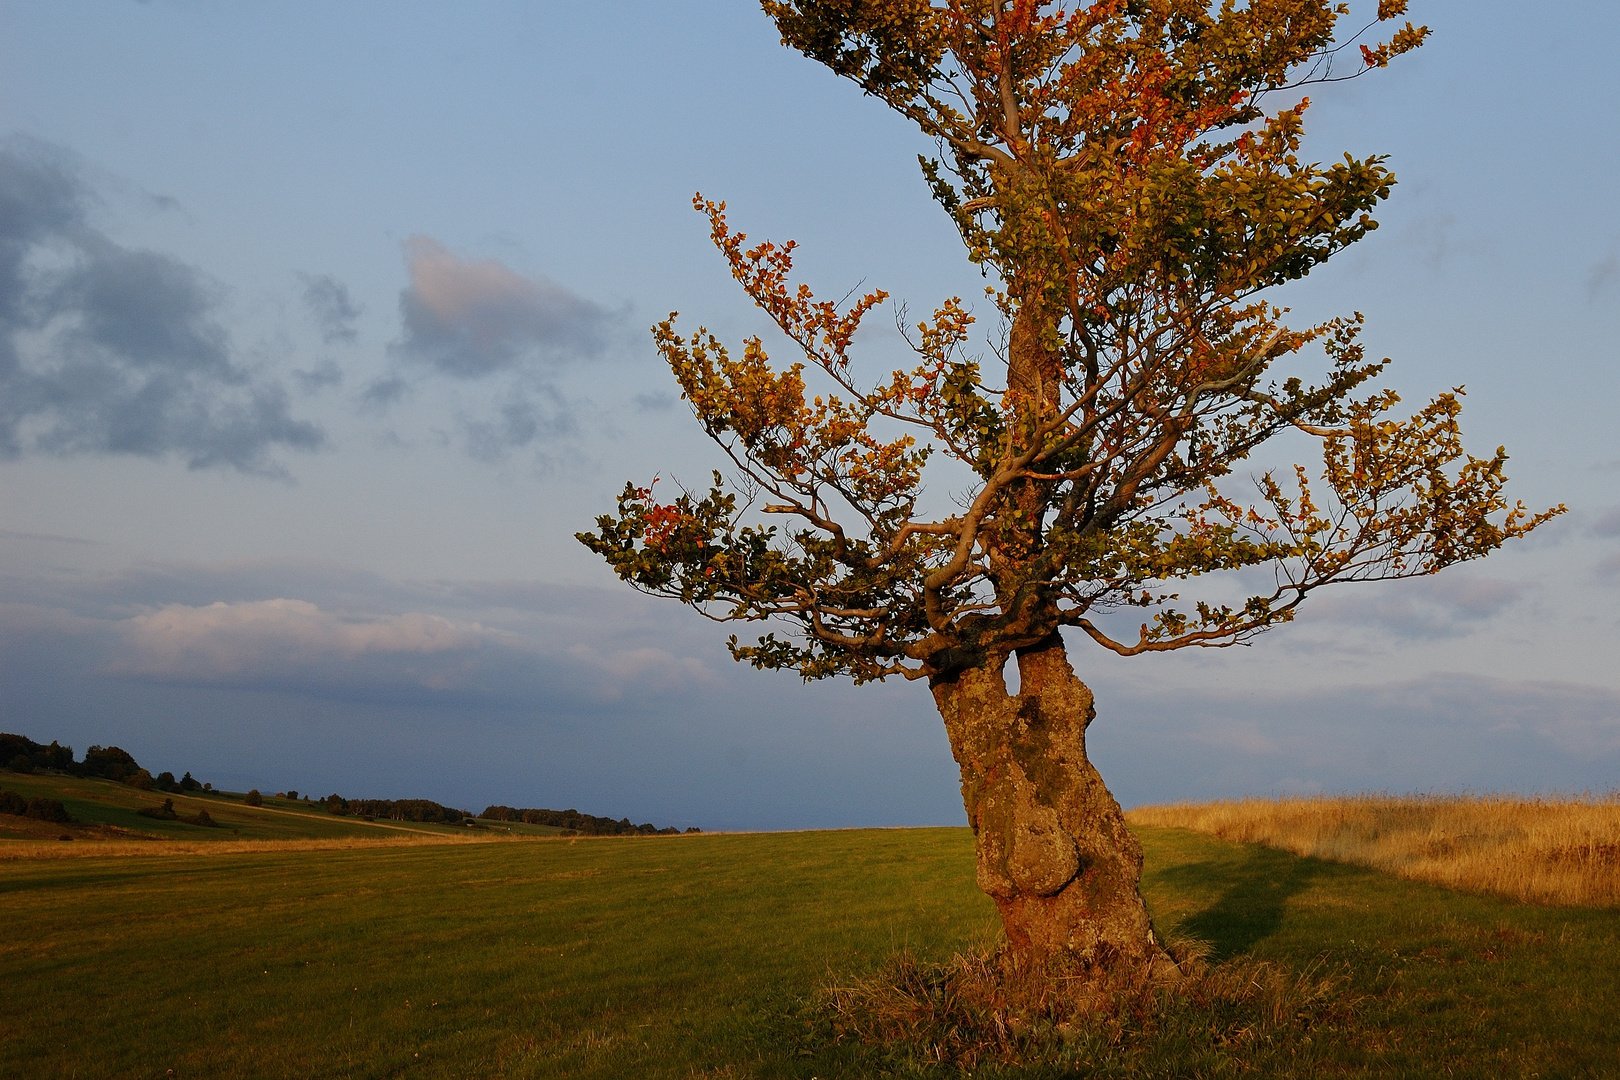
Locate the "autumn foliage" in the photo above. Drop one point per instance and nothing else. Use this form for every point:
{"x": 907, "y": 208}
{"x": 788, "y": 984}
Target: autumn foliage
{"x": 1127, "y": 175}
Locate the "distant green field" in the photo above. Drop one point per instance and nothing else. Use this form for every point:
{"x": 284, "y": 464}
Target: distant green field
{"x": 101, "y": 806}
{"x": 701, "y": 956}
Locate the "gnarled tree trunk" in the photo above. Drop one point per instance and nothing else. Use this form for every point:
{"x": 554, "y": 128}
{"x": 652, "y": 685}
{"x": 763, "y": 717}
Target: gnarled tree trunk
{"x": 1053, "y": 850}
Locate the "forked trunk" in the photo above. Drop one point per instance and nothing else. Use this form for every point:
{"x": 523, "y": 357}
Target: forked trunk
{"x": 1053, "y": 849}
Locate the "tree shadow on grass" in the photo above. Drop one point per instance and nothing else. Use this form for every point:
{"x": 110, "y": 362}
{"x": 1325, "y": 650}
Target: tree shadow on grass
{"x": 1253, "y": 894}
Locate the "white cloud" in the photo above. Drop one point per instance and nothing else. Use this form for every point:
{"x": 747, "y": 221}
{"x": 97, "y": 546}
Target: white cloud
{"x": 647, "y": 669}
{"x": 484, "y": 324}
{"x": 471, "y": 319}
{"x": 278, "y": 639}
{"x": 299, "y": 646}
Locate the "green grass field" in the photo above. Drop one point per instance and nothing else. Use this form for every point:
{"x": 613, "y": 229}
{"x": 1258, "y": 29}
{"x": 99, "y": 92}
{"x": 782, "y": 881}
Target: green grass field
{"x": 702, "y": 956}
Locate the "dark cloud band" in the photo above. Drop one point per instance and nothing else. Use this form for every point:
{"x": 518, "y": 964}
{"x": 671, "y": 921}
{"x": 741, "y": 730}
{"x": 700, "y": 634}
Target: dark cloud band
{"x": 332, "y": 308}
{"x": 109, "y": 350}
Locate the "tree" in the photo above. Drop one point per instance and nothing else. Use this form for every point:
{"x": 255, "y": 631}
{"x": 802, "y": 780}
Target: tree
{"x": 1126, "y": 174}
{"x": 109, "y": 762}
{"x": 166, "y": 812}
{"x": 22, "y": 754}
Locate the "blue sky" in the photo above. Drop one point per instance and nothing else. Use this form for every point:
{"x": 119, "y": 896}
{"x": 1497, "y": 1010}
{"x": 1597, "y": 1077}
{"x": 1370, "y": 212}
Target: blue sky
{"x": 325, "y": 329}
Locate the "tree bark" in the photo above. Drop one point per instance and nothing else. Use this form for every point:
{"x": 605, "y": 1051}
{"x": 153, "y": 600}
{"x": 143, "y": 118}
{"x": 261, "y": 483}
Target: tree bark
{"x": 1053, "y": 849}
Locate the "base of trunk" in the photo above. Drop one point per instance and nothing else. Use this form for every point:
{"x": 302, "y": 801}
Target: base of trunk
{"x": 1053, "y": 849}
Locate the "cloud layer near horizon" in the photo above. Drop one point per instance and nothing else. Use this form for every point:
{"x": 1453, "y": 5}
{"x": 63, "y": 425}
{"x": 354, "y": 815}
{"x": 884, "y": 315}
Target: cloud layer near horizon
{"x": 521, "y": 692}
{"x": 288, "y": 642}
{"x": 1436, "y": 733}
{"x": 508, "y": 683}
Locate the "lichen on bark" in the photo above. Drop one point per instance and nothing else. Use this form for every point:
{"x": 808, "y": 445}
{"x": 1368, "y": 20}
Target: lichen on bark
{"x": 1052, "y": 847}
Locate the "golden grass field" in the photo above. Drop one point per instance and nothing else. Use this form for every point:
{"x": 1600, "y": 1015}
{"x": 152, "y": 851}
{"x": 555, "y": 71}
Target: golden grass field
{"x": 1563, "y": 851}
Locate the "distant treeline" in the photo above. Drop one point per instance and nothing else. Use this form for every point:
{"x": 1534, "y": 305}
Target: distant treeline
{"x": 393, "y": 809}
{"x": 21, "y": 754}
{"x": 574, "y": 821}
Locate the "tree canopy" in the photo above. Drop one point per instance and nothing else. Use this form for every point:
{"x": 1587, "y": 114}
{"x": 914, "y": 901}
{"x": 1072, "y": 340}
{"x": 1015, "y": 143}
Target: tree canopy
{"x": 1127, "y": 174}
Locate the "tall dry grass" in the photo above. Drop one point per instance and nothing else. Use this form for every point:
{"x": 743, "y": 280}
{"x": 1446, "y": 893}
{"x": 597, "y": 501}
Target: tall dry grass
{"x": 1549, "y": 851}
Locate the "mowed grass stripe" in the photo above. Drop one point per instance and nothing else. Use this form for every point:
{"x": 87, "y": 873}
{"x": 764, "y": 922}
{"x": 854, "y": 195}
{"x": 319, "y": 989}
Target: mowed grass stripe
{"x": 696, "y": 956}
{"x": 544, "y": 957}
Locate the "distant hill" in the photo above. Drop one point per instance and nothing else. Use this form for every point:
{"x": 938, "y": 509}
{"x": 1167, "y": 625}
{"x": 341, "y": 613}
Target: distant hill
{"x": 20, "y": 754}
{"x": 23, "y": 756}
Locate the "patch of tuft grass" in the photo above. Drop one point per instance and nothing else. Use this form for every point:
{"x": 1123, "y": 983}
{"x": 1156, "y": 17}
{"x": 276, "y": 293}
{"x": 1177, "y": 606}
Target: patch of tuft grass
{"x": 979, "y": 1010}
